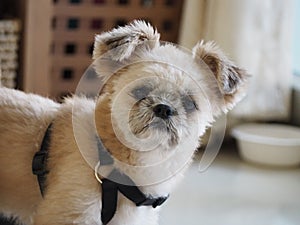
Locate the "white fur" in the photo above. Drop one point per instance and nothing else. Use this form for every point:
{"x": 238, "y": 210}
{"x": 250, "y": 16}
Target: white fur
{"x": 73, "y": 195}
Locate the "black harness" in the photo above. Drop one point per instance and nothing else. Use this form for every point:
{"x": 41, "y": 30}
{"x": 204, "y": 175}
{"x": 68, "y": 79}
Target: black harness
{"x": 39, "y": 161}
{"x": 110, "y": 188}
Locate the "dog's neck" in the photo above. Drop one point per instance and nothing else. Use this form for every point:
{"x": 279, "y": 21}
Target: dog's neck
{"x": 155, "y": 172}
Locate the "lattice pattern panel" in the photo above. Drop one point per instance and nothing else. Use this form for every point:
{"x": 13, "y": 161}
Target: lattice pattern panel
{"x": 9, "y": 39}
{"x": 76, "y": 22}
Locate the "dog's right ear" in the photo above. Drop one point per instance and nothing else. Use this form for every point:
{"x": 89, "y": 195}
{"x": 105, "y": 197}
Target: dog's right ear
{"x": 231, "y": 79}
{"x": 121, "y": 42}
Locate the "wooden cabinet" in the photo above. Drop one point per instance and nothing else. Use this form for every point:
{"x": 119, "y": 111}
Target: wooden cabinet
{"x": 58, "y": 36}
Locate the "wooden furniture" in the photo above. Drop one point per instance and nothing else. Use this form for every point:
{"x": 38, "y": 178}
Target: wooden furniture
{"x": 59, "y": 36}
{"x": 37, "y": 35}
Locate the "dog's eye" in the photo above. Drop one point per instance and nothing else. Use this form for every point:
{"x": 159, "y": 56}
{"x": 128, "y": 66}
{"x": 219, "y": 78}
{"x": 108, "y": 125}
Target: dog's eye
{"x": 141, "y": 92}
{"x": 188, "y": 103}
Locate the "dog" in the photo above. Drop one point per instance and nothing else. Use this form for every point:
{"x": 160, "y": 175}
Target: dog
{"x": 155, "y": 102}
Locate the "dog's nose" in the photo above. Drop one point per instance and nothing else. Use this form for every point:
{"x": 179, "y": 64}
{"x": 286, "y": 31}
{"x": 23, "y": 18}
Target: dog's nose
{"x": 163, "y": 111}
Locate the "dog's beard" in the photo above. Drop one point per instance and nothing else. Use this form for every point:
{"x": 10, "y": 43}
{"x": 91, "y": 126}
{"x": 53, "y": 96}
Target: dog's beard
{"x": 166, "y": 127}
{"x": 159, "y": 129}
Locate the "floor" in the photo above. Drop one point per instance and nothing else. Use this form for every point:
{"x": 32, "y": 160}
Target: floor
{"x": 232, "y": 192}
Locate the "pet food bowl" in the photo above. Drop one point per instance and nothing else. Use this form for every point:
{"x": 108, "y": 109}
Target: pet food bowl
{"x": 268, "y": 144}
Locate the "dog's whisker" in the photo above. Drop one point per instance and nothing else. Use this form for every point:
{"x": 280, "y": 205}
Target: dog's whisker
{"x": 133, "y": 110}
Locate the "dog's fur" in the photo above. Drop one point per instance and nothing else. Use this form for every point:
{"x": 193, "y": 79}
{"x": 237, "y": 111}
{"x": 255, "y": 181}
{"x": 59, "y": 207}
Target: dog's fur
{"x": 152, "y": 74}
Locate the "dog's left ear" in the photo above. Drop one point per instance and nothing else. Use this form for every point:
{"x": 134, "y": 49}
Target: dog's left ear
{"x": 120, "y": 43}
{"x": 230, "y": 78}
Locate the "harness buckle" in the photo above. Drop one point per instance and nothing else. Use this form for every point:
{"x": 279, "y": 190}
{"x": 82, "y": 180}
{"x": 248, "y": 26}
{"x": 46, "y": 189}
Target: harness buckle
{"x": 159, "y": 201}
{"x": 154, "y": 202}
{"x": 38, "y": 163}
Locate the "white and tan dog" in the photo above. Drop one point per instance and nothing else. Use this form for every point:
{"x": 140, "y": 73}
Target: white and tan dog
{"x": 149, "y": 116}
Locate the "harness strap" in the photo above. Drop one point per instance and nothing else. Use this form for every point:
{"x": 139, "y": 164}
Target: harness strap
{"x": 124, "y": 184}
{"x": 110, "y": 188}
{"x": 130, "y": 190}
{"x": 39, "y": 162}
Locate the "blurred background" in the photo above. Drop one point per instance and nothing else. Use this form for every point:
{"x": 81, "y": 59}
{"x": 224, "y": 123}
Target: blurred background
{"x": 46, "y": 45}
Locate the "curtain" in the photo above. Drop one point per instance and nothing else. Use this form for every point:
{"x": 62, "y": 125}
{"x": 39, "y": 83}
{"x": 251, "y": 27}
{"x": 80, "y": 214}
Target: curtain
{"x": 257, "y": 35}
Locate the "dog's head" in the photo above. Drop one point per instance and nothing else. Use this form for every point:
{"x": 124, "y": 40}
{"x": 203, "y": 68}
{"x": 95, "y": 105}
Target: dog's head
{"x": 158, "y": 91}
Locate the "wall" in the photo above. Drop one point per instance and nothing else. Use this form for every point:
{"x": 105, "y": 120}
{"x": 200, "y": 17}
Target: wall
{"x": 296, "y": 43}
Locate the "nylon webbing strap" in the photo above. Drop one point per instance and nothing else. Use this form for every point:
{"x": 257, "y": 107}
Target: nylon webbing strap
{"x": 39, "y": 162}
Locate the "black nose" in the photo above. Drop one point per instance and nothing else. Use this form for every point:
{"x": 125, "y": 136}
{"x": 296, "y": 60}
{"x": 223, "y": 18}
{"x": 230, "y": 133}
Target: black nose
{"x": 163, "y": 111}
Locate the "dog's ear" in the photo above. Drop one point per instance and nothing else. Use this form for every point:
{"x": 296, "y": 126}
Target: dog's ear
{"x": 230, "y": 78}
{"x": 121, "y": 42}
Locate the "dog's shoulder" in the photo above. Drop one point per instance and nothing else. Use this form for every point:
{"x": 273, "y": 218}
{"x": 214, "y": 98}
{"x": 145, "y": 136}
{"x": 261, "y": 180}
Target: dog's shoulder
{"x": 17, "y": 105}
{"x": 12, "y": 97}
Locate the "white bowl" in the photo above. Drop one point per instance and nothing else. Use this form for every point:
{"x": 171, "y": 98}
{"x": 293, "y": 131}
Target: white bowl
{"x": 269, "y": 144}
